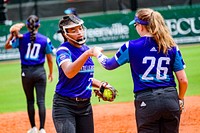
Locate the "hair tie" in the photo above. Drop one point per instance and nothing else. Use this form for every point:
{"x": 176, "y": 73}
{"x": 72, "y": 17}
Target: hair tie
{"x": 151, "y": 13}
{"x": 35, "y": 24}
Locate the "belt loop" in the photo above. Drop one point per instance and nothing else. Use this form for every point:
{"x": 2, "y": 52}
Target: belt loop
{"x": 77, "y": 99}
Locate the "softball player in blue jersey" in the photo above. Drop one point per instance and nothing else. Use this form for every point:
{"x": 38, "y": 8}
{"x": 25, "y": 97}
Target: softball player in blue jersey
{"x": 72, "y": 110}
{"x": 153, "y": 58}
{"x": 33, "y": 47}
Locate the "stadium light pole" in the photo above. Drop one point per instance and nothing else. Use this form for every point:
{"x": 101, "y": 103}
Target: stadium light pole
{"x": 190, "y": 2}
{"x": 3, "y": 17}
{"x": 104, "y": 5}
{"x": 36, "y": 8}
{"x": 134, "y": 5}
{"x": 20, "y": 10}
{"x": 120, "y": 5}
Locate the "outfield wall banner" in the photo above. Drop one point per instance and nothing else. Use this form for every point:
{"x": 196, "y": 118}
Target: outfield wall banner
{"x": 183, "y": 23}
{"x": 111, "y": 30}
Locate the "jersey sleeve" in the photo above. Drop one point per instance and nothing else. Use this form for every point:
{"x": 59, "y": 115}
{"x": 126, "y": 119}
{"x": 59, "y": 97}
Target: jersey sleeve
{"x": 120, "y": 58}
{"x": 49, "y": 46}
{"x": 15, "y": 43}
{"x": 62, "y": 55}
{"x": 179, "y": 63}
{"x": 122, "y": 55}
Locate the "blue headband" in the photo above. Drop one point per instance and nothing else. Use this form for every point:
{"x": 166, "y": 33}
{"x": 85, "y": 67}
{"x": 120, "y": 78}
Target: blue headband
{"x": 68, "y": 11}
{"x": 137, "y": 20}
{"x": 36, "y": 24}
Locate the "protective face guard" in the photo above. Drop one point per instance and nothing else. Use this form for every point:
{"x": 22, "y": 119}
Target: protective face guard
{"x": 81, "y": 41}
{"x": 72, "y": 21}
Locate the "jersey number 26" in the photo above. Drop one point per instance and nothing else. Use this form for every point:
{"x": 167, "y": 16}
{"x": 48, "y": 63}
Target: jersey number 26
{"x": 159, "y": 68}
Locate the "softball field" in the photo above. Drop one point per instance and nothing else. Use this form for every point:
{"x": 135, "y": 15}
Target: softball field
{"x": 109, "y": 118}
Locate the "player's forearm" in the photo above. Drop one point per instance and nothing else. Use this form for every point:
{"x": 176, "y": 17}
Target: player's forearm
{"x": 50, "y": 63}
{"x": 182, "y": 89}
{"x": 96, "y": 83}
{"x": 71, "y": 69}
{"x": 183, "y": 83}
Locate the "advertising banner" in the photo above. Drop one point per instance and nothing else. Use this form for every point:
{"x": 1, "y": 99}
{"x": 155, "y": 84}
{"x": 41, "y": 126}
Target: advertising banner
{"x": 111, "y": 30}
{"x": 183, "y": 23}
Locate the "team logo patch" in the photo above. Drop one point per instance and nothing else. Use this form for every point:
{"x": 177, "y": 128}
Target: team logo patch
{"x": 62, "y": 56}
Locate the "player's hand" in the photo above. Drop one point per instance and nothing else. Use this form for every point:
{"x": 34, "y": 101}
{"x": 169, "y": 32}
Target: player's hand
{"x": 95, "y": 51}
{"x": 50, "y": 77}
{"x": 14, "y": 30}
{"x": 181, "y": 104}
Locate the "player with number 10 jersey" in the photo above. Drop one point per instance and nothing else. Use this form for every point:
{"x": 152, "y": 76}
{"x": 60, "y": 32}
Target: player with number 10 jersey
{"x": 36, "y": 54}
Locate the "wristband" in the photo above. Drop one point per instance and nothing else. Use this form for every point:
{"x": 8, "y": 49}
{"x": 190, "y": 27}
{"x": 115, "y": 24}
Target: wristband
{"x": 102, "y": 59}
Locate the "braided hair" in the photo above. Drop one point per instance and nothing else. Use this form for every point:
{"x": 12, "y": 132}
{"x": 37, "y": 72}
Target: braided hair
{"x": 32, "y": 23}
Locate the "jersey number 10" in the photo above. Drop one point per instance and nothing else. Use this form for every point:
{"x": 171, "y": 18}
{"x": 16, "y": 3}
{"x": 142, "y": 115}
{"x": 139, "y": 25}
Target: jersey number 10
{"x": 34, "y": 52}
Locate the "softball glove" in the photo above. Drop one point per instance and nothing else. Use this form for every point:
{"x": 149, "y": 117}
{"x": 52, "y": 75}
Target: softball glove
{"x": 106, "y": 92}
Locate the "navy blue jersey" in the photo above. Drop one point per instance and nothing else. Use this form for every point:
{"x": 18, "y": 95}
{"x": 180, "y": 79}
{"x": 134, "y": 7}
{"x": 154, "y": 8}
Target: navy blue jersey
{"x": 81, "y": 84}
{"x": 42, "y": 45}
{"x": 149, "y": 68}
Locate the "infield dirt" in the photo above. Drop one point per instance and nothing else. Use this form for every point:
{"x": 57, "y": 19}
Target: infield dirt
{"x": 109, "y": 118}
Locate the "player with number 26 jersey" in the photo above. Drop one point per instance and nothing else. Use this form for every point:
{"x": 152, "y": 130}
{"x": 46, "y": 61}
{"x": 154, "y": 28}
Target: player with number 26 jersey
{"x": 154, "y": 60}
{"x": 149, "y": 68}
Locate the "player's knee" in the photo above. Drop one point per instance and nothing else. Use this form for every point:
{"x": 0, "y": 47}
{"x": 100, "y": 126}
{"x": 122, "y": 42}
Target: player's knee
{"x": 40, "y": 102}
{"x": 30, "y": 102}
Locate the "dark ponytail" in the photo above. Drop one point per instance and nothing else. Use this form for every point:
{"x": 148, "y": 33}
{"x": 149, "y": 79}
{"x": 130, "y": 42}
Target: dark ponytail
{"x": 32, "y": 23}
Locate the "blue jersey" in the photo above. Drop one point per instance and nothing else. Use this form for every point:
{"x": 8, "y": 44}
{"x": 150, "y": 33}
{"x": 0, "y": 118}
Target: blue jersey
{"x": 81, "y": 84}
{"x": 149, "y": 68}
{"x": 35, "y": 56}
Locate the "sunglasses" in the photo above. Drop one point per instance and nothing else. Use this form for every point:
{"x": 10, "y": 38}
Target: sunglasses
{"x": 135, "y": 24}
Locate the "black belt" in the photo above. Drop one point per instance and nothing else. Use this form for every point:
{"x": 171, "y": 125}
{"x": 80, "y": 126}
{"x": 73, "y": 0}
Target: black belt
{"x": 154, "y": 89}
{"x": 28, "y": 66}
{"x": 77, "y": 99}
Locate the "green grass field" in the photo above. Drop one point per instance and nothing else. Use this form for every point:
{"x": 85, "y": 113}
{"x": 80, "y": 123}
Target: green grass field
{"x": 12, "y": 97}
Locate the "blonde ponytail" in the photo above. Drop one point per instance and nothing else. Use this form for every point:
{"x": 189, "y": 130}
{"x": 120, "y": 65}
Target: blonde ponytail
{"x": 157, "y": 28}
